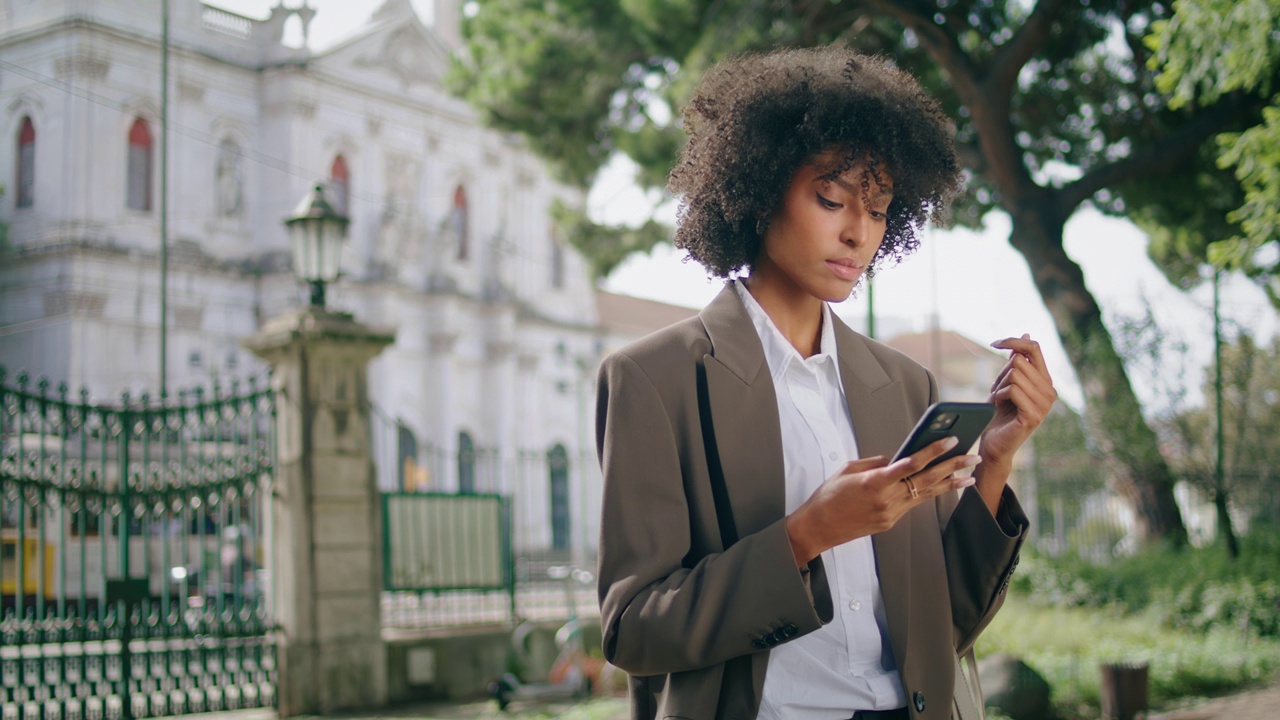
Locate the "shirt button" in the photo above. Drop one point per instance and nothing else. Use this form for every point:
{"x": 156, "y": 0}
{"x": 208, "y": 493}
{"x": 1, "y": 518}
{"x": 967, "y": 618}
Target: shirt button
{"x": 832, "y": 456}
{"x": 855, "y": 604}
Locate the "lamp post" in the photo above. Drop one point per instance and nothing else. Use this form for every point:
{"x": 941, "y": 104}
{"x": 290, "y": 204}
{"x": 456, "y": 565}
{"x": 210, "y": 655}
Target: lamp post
{"x": 323, "y": 488}
{"x": 316, "y": 232}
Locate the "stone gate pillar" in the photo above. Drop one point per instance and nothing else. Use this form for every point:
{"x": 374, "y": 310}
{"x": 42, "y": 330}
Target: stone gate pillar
{"x": 326, "y": 516}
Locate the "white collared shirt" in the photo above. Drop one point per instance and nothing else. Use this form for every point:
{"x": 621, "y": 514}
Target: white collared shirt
{"x": 846, "y": 665}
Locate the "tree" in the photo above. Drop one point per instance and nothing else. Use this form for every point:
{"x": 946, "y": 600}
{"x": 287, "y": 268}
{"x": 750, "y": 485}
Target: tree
{"x": 1213, "y": 49}
{"x": 1250, "y": 432}
{"x": 1226, "y": 446}
{"x": 1054, "y": 105}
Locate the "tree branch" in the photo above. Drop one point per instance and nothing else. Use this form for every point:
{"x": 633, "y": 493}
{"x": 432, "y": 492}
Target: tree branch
{"x": 989, "y": 111}
{"x": 1161, "y": 156}
{"x": 1002, "y": 72}
{"x": 823, "y": 15}
{"x": 938, "y": 42}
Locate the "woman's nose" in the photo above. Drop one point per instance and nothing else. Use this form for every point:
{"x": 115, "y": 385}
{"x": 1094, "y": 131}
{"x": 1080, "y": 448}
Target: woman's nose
{"x": 857, "y": 229}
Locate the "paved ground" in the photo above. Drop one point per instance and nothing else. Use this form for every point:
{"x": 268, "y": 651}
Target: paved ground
{"x": 599, "y": 709}
{"x": 1254, "y": 705}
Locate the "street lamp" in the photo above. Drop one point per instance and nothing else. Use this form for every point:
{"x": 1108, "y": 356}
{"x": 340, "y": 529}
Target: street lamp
{"x": 316, "y": 232}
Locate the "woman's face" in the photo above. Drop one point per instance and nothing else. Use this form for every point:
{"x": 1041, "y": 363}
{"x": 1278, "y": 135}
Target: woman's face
{"x": 824, "y": 235}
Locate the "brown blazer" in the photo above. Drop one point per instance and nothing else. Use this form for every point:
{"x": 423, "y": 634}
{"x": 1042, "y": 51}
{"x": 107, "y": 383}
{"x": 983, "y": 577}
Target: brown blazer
{"x": 690, "y": 620}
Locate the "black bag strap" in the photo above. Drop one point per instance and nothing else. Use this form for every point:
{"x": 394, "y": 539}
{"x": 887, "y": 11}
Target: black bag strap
{"x": 719, "y": 493}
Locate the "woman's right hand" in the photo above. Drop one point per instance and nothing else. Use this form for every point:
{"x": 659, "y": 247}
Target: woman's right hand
{"x": 870, "y": 495}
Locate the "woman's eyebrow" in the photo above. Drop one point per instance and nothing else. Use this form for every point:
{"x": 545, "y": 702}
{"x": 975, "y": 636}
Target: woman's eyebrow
{"x": 877, "y": 192}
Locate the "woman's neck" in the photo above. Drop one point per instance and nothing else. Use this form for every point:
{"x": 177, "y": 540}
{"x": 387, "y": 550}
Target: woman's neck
{"x": 798, "y": 316}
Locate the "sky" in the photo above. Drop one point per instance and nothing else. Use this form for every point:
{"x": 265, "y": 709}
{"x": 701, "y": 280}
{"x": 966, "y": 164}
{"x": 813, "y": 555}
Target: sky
{"x": 974, "y": 282}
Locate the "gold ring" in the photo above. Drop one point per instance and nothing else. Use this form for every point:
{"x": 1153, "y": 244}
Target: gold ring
{"x": 912, "y": 487}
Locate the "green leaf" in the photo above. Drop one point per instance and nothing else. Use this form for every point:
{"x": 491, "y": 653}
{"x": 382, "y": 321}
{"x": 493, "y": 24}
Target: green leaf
{"x": 606, "y": 246}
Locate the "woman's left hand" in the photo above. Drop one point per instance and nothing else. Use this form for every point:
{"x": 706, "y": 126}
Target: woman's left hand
{"x": 1023, "y": 394}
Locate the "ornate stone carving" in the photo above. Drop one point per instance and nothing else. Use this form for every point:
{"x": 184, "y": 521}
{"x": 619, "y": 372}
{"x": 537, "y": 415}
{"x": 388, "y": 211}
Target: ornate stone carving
{"x": 442, "y": 342}
{"x": 188, "y": 317}
{"x": 229, "y": 179}
{"x": 82, "y": 65}
{"x": 407, "y": 55}
{"x": 400, "y": 237}
{"x": 191, "y": 92}
{"x": 76, "y": 302}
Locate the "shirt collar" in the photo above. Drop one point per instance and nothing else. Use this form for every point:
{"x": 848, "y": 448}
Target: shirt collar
{"x": 778, "y": 351}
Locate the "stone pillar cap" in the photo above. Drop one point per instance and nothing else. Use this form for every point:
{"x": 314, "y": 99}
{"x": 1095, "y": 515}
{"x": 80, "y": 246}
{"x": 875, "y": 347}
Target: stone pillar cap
{"x": 308, "y": 324}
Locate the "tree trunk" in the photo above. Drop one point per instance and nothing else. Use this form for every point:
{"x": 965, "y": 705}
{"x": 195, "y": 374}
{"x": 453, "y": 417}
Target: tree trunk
{"x": 1225, "y": 530}
{"x": 1138, "y": 470}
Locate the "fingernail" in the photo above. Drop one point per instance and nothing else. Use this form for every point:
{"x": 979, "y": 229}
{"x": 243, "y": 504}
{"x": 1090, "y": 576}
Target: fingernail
{"x": 951, "y": 442}
{"x": 966, "y": 481}
{"x": 972, "y": 460}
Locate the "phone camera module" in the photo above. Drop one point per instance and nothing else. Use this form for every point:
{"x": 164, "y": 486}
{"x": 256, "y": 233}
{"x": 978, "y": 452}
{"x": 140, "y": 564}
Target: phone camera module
{"x": 943, "y": 421}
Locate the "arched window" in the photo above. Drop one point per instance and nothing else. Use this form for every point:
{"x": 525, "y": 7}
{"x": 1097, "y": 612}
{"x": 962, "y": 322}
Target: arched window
{"x": 138, "y": 183}
{"x": 466, "y": 464}
{"x": 340, "y": 183}
{"x": 407, "y": 449}
{"x": 26, "y": 170}
{"x": 459, "y": 220}
{"x": 558, "y": 468}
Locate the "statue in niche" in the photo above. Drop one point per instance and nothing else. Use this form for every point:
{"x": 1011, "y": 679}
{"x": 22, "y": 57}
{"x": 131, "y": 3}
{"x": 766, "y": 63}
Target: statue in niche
{"x": 400, "y": 221}
{"x": 229, "y": 181}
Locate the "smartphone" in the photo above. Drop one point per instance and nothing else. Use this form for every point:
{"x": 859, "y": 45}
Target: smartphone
{"x": 964, "y": 421}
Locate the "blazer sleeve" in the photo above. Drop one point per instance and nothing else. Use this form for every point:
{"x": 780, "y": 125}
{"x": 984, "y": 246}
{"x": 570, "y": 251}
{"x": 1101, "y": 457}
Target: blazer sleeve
{"x": 981, "y": 554}
{"x": 661, "y": 610}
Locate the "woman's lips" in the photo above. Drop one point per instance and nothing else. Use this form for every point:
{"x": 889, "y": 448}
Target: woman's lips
{"x": 845, "y": 269}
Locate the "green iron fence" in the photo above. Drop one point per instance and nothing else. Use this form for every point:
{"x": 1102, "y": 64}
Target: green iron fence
{"x": 1075, "y": 512}
{"x": 449, "y": 561}
{"x": 134, "y": 545}
{"x": 445, "y": 544}
{"x": 443, "y": 498}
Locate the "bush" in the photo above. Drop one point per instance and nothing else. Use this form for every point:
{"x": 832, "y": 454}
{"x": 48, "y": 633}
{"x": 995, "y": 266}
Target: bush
{"x": 1068, "y": 646}
{"x": 1240, "y": 604}
{"x": 1196, "y": 589}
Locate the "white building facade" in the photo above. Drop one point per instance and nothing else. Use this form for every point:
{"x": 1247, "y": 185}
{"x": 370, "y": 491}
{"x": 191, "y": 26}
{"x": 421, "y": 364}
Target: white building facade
{"x": 489, "y": 386}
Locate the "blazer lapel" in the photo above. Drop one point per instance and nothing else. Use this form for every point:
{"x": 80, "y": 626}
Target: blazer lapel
{"x": 744, "y": 415}
{"x": 877, "y": 412}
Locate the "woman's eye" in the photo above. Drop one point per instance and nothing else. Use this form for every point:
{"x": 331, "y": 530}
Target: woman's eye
{"x": 879, "y": 215}
{"x": 827, "y": 203}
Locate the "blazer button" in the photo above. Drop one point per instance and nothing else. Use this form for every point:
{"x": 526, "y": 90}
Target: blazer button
{"x": 918, "y": 700}
{"x": 759, "y": 644}
{"x": 789, "y": 630}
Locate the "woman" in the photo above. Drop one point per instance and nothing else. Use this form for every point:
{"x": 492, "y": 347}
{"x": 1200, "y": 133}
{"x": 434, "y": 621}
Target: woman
{"x": 759, "y": 555}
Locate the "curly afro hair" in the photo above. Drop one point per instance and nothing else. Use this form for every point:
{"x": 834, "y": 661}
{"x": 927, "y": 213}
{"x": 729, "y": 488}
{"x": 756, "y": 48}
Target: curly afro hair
{"x": 754, "y": 120}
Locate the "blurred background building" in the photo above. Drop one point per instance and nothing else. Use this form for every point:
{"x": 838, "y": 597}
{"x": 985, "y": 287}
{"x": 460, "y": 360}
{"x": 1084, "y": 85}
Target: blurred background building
{"x": 490, "y": 384}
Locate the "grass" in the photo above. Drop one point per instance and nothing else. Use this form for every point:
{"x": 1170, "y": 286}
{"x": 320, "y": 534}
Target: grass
{"x": 1068, "y": 645}
{"x": 597, "y": 709}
